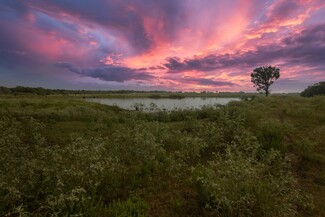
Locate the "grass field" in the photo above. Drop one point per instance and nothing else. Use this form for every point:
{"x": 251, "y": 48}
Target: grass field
{"x": 62, "y": 156}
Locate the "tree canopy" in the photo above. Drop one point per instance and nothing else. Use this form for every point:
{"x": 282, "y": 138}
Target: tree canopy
{"x": 315, "y": 89}
{"x": 263, "y": 77}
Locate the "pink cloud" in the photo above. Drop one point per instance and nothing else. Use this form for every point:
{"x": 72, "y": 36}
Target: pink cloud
{"x": 199, "y": 45}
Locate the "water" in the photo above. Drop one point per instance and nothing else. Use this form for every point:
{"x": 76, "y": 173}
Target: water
{"x": 148, "y": 104}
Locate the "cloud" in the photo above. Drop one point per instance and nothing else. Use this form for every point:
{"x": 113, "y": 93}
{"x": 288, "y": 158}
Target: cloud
{"x": 108, "y": 73}
{"x": 69, "y": 66}
{"x": 175, "y": 64}
{"x": 313, "y": 34}
{"x": 306, "y": 48}
{"x": 129, "y": 19}
{"x": 59, "y": 28}
{"x": 282, "y": 9}
{"x": 282, "y": 14}
{"x": 18, "y": 7}
{"x": 161, "y": 42}
{"x": 208, "y": 82}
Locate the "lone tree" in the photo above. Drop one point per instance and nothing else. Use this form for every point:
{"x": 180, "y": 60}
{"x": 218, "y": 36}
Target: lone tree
{"x": 263, "y": 77}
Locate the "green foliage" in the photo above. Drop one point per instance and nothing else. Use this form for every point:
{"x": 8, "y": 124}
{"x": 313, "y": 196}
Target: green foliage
{"x": 240, "y": 185}
{"x": 4, "y": 90}
{"x": 61, "y": 156}
{"x": 263, "y": 77}
{"x": 316, "y": 89}
{"x": 271, "y": 134}
{"x": 130, "y": 208}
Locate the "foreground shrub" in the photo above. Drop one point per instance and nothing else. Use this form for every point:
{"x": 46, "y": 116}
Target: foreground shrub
{"x": 271, "y": 134}
{"x": 91, "y": 160}
{"x": 132, "y": 207}
{"x": 51, "y": 180}
{"x": 236, "y": 184}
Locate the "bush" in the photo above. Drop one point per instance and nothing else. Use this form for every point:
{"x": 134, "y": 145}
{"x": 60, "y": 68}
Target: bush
{"x": 316, "y": 89}
{"x": 271, "y": 134}
{"x": 64, "y": 157}
{"x": 132, "y": 207}
{"x": 240, "y": 185}
{"x": 51, "y": 180}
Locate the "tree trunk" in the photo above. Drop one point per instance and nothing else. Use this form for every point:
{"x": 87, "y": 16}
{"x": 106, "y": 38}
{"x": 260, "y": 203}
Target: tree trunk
{"x": 267, "y": 91}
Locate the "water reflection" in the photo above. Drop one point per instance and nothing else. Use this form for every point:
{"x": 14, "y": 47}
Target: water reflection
{"x": 166, "y": 104}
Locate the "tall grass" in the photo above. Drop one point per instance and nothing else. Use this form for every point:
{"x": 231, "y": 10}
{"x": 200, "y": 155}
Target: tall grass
{"x": 61, "y": 156}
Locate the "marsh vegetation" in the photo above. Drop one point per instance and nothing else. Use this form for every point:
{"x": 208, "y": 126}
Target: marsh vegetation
{"x": 63, "y": 156}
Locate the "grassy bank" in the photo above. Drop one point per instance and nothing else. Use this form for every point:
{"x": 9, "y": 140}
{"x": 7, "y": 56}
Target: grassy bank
{"x": 62, "y": 156}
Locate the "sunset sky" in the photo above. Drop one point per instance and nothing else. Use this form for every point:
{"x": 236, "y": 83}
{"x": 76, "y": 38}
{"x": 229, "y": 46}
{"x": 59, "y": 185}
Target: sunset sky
{"x": 176, "y": 45}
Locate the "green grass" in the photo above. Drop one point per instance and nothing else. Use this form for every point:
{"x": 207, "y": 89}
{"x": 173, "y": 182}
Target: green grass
{"x": 63, "y": 156}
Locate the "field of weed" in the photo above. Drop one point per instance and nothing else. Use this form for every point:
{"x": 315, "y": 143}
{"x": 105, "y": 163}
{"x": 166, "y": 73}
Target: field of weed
{"x": 62, "y": 156}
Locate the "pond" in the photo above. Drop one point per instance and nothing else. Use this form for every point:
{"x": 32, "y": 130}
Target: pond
{"x": 166, "y": 104}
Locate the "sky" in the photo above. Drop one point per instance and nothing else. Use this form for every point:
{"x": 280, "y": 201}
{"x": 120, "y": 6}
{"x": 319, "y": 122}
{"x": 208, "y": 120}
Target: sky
{"x": 173, "y": 45}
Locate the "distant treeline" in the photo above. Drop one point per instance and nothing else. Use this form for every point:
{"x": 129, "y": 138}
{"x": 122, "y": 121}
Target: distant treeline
{"x": 45, "y": 91}
{"x": 316, "y": 89}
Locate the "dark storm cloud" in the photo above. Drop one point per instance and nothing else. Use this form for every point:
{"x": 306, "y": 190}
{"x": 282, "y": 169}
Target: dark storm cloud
{"x": 12, "y": 51}
{"x": 125, "y": 17}
{"x": 207, "y": 63}
{"x": 283, "y": 9}
{"x": 208, "y": 82}
{"x": 17, "y": 6}
{"x": 314, "y": 35}
{"x": 9, "y": 43}
{"x": 62, "y": 29}
{"x": 116, "y": 73}
{"x": 69, "y": 66}
{"x": 108, "y": 73}
{"x": 175, "y": 64}
{"x": 305, "y": 48}
{"x": 21, "y": 27}
{"x": 156, "y": 68}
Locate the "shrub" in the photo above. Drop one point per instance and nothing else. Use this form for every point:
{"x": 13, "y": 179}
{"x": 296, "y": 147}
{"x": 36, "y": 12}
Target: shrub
{"x": 238, "y": 185}
{"x": 316, "y": 89}
{"x": 271, "y": 134}
{"x": 133, "y": 207}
